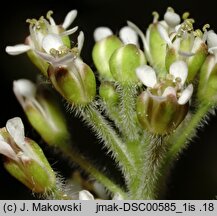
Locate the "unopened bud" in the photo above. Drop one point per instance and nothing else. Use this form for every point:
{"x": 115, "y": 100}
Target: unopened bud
{"x": 102, "y": 52}
{"x": 124, "y": 61}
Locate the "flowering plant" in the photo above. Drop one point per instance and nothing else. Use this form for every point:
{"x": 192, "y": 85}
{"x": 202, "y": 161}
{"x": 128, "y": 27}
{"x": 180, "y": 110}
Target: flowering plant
{"x": 145, "y": 100}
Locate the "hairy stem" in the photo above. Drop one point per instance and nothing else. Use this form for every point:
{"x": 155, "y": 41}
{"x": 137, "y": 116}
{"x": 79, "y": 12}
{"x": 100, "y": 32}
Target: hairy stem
{"x": 129, "y": 122}
{"x": 90, "y": 169}
{"x": 180, "y": 140}
{"x": 111, "y": 140}
{"x": 154, "y": 156}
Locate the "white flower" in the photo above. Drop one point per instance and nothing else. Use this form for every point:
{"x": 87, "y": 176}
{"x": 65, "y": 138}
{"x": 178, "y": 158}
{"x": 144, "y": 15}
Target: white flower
{"x": 182, "y": 32}
{"x": 126, "y": 34}
{"x": 171, "y": 18}
{"x": 85, "y": 195}
{"x": 25, "y": 91}
{"x": 172, "y": 85}
{"x": 43, "y": 29}
{"x": 212, "y": 42}
{"x": 13, "y": 143}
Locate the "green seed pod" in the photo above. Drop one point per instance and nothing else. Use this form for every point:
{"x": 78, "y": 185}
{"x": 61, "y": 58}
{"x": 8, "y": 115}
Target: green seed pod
{"x": 101, "y": 54}
{"x": 75, "y": 81}
{"x": 123, "y": 63}
{"x": 160, "y": 115}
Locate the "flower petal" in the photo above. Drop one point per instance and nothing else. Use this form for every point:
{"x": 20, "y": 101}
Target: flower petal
{"x": 85, "y": 195}
{"x": 17, "y": 49}
{"x": 101, "y": 33}
{"x": 128, "y": 36}
{"x": 164, "y": 34}
{"x": 169, "y": 91}
{"x": 211, "y": 39}
{"x": 186, "y": 95}
{"x": 146, "y": 75}
{"x": 142, "y": 36}
{"x": 15, "y": 128}
{"x": 69, "y": 32}
{"x": 80, "y": 41}
{"x": 70, "y": 17}
{"x": 172, "y": 19}
{"x": 24, "y": 87}
{"x": 7, "y": 151}
{"x": 51, "y": 41}
{"x": 179, "y": 69}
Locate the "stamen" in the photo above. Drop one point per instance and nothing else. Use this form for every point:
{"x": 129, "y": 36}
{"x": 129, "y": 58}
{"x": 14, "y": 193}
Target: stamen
{"x": 156, "y": 16}
{"x": 198, "y": 33}
{"x": 32, "y": 21}
{"x": 186, "y": 26}
{"x": 49, "y": 13}
{"x": 205, "y": 27}
{"x": 59, "y": 53}
{"x": 185, "y": 15}
{"x": 49, "y": 17}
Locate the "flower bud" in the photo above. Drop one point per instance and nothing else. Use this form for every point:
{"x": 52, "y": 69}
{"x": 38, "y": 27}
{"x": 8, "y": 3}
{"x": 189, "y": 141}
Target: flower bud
{"x": 43, "y": 112}
{"x": 207, "y": 88}
{"x": 160, "y": 115}
{"x": 101, "y": 54}
{"x": 74, "y": 80}
{"x": 124, "y": 62}
{"x": 24, "y": 159}
{"x": 108, "y": 93}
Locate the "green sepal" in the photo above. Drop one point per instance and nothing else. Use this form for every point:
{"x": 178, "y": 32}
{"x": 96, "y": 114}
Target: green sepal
{"x": 157, "y": 49}
{"x": 53, "y": 123}
{"x": 38, "y": 177}
{"x": 41, "y": 64}
{"x": 101, "y": 54}
{"x": 74, "y": 81}
{"x": 207, "y": 88}
{"x": 123, "y": 63}
{"x": 159, "y": 115}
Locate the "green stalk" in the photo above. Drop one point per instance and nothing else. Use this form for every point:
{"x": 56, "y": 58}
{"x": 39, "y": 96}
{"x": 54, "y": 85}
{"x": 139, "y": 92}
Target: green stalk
{"x": 111, "y": 140}
{"x": 128, "y": 116}
{"x": 154, "y": 157}
{"x": 180, "y": 140}
{"x": 112, "y": 113}
{"x": 135, "y": 186}
{"x": 90, "y": 169}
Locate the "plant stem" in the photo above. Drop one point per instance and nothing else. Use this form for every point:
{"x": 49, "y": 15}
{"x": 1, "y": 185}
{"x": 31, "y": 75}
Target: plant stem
{"x": 111, "y": 140}
{"x": 154, "y": 156}
{"x": 129, "y": 122}
{"x": 179, "y": 140}
{"x": 90, "y": 169}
